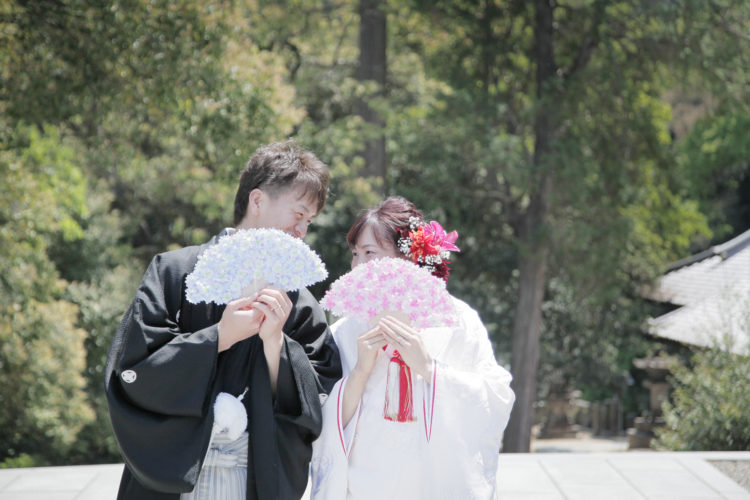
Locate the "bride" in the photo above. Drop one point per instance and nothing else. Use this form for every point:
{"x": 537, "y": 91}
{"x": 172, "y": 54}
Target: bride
{"x": 442, "y": 441}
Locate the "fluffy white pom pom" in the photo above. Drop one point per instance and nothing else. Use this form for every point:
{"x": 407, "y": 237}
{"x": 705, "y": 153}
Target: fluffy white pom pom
{"x": 230, "y": 415}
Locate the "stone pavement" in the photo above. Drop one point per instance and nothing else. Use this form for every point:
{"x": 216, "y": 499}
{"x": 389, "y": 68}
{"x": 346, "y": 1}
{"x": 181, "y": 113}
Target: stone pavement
{"x": 537, "y": 476}
{"x": 630, "y": 475}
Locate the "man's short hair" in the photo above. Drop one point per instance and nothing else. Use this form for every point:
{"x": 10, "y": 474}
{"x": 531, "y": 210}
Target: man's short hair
{"x": 277, "y": 167}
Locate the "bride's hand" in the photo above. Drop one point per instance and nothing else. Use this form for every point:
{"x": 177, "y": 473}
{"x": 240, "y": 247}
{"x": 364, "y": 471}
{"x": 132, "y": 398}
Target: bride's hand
{"x": 408, "y": 342}
{"x": 369, "y": 344}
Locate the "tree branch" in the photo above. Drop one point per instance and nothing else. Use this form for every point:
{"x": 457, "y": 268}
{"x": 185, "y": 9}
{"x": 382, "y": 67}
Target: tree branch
{"x": 589, "y": 43}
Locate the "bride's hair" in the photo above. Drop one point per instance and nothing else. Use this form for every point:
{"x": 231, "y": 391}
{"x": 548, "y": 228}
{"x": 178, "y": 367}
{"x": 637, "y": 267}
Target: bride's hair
{"x": 386, "y": 220}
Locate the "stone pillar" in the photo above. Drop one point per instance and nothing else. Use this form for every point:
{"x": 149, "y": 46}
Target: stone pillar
{"x": 657, "y": 369}
{"x": 558, "y": 423}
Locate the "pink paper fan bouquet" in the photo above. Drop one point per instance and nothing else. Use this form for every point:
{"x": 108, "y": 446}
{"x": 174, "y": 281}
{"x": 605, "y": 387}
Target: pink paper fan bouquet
{"x": 391, "y": 286}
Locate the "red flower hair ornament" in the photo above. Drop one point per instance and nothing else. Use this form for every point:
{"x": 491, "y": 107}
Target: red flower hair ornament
{"x": 428, "y": 246}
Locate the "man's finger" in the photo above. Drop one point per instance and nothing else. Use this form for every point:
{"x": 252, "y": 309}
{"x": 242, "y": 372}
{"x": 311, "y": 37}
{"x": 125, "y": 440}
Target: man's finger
{"x": 263, "y": 307}
{"x": 240, "y": 303}
{"x": 270, "y": 302}
{"x": 276, "y": 293}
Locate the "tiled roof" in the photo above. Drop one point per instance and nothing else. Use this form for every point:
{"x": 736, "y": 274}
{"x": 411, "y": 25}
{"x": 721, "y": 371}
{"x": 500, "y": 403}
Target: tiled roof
{"x": 713, "y": 291}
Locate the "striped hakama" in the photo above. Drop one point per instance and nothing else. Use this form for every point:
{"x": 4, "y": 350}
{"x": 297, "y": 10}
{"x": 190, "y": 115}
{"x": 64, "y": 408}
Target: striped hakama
{"x": 224, "y": 472}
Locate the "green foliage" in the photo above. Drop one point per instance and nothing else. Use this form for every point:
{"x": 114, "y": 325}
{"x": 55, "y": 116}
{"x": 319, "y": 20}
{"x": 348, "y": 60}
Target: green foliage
{"x": 466, "y": 153}
{"x": 157, "y": 105}
{"x": 709, "y": 405}
{"x": 714, "y": 159}
{"x": 42, "y": 357}
{"x": 22, "y": 460}
{"x": 101, "y": 304}
{"x": 124, "y": 127}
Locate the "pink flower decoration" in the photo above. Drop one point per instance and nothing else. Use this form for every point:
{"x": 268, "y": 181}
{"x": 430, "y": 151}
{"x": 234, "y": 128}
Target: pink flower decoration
{"x": 442, "y": 240}
{"x": 391, "y": 286}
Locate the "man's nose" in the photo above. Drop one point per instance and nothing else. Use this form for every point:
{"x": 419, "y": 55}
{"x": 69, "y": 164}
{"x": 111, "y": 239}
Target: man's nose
{"x": 300, "y": 230}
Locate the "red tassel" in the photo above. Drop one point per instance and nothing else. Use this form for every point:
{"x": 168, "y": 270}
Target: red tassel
{"x": 400, "y": 390}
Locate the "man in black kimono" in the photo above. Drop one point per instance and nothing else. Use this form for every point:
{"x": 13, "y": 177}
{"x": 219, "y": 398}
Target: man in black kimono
{"x": 170, "y": 358}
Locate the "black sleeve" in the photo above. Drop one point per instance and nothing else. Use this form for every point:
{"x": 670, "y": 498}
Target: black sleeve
{"x": 309, "y": 367}
{"x": 158, "y": 383}
{"x": 309, "y": 338}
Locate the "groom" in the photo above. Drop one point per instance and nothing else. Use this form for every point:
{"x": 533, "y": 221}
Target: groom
{"x": 169, "y": 359}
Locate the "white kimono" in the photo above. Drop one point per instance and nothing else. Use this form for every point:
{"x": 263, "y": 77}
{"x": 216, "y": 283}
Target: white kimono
{"x": 449, "y": 452}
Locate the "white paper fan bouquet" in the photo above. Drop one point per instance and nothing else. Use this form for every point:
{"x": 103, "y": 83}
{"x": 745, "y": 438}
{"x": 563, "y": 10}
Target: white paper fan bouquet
{"x": 250, "y": 259}
{"x": 391, "y": 286}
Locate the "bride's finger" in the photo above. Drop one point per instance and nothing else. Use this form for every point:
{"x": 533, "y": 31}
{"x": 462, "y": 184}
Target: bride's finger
{"x": 375, "y": 332}
{"x": 392, "y": 323}
{"x": 399, "y": 326}
{"x": 395, "y": 321}
{"x": 405, "y": 336}
{"x": 393, "y": 330}
{"x": 396, "y": 338}
{"x": 376, "y": 343}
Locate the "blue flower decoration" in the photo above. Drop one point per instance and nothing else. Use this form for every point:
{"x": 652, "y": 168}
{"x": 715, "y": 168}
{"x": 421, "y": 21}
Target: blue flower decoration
{"x": 225, "y": 271}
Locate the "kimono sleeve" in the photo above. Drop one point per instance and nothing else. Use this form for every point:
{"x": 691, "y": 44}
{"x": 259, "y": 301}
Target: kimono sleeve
{"x": 309, "y": 367}
{"x": 329, "y": 466}
{"x": 158, "y": 383}
{"x": 472, "y": 401}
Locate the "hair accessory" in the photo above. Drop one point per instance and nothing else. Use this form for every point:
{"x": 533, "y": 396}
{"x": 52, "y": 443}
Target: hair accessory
{"x": 428, "y": 245}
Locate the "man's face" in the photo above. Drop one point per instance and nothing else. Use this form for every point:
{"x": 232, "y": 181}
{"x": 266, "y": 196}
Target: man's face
{"x": 290, "y": 211}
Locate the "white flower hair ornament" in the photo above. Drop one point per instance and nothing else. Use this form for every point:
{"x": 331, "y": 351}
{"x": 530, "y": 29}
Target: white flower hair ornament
{"x": 250, "y": 259}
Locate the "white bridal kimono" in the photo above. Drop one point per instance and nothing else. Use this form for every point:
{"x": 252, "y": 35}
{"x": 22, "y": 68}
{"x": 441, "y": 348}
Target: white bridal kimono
{"x": 451, "y": 449}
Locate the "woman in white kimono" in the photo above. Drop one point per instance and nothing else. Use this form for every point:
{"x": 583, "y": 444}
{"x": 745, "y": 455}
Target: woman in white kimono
{"x": 446, "y": 445}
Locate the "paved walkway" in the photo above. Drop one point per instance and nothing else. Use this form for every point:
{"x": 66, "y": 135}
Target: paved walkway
{"x": 537, "y": 476}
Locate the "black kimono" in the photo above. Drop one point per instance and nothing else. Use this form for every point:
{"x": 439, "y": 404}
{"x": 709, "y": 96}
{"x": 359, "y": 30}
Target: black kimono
{"x": 163, "y": 374}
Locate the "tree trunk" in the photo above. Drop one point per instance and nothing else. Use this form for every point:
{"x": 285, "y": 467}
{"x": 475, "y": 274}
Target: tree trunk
{"x": 372, "y": 67}
{"x": 534, "y": 244}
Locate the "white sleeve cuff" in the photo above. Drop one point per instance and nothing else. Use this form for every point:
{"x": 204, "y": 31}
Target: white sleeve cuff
{"x": 346, "y": 433}
{"x": 428, "y": 401}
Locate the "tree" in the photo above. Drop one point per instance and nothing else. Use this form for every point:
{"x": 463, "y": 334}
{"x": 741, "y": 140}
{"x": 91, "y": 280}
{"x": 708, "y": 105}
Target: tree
{"x": 162, "y": 107}
{"x": 540, "y": 130}
{"x": 545, "y": 88}
{"x": 318, "y": 41}
{"x": 43, "y": 401}
{"x": 372, "y": 68}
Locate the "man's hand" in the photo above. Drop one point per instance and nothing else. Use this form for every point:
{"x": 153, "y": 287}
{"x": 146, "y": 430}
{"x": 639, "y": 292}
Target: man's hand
{"x": 275, "y": 306}
{"x": 238, "y": 321}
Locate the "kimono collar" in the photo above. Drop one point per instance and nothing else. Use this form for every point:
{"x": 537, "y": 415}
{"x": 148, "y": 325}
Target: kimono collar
{"x": 227, "y": 231}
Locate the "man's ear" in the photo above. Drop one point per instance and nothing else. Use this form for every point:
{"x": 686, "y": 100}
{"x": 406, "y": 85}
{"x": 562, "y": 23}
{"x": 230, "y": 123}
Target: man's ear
{"x": 255, "y": 202}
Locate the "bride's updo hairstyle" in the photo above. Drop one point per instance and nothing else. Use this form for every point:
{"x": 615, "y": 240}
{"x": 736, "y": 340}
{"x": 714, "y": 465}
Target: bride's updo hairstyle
{"x": 387, "y": 221}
